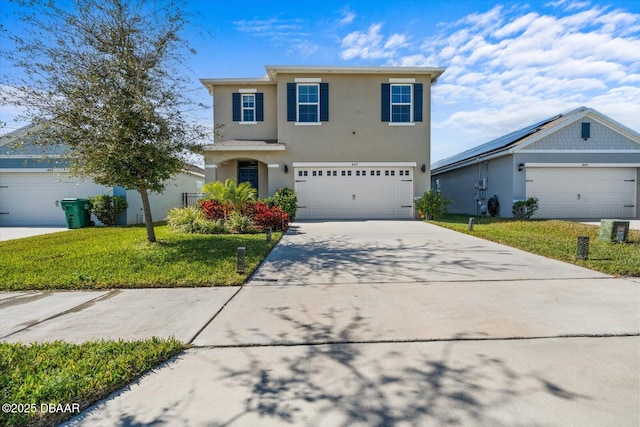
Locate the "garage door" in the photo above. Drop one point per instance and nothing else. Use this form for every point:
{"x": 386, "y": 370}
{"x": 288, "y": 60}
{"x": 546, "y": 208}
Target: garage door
{"x": 354, "y": 192}
{"x": 28, "y": 199}
{"x": 583, "y": 192}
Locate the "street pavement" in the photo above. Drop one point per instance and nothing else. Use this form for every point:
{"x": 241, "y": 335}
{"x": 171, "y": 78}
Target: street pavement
{"x": 369, "y": 323}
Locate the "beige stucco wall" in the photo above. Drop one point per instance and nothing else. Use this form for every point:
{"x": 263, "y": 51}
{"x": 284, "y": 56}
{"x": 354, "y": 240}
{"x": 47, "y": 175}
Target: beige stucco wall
{"x": 223, "y": 114}
{"x": 354, "y": 131}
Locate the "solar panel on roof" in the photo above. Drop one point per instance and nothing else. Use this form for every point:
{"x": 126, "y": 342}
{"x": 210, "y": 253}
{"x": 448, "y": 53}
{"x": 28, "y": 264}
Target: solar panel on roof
{"x": 493, "y": 145}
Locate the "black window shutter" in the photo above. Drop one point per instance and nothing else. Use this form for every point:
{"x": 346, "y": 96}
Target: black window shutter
{"x": 586, "y": 130}
{"x": 237, "y": 112}
{"x": 385, "y": 100}
{"x": 259, "y": 107}
{"x": 324, "y": 102}
{"x": 291, "y": 102}
{"x": 417, "y": 102}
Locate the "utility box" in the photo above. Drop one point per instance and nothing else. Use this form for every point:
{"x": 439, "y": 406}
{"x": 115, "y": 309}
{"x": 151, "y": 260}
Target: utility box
{"x": 614, "y": 230}
{"x": 76, "y": 212}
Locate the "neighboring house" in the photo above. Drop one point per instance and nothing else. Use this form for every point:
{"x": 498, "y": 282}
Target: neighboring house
{"x": 580, "y": 164}
{"x": 35, "y": 178}
{"x": 354, "y": 142}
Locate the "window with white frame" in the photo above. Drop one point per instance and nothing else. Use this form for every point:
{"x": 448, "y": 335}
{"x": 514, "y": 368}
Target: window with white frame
{"x": 401, "y": 103}
{"x": 248, "y": 108}
{"x": 308, "y": 103}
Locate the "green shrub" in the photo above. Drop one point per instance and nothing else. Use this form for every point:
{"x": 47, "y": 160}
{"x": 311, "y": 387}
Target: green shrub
{"x": 184, "y": 219}
{"x": 107, "y": 208}
{"x": 286, "y": 199}
{"x": 432, "y": 205}
{"x": 192, "y": 220}
{"x": 208, "y": 226}
{"x": 525, "y": 209}
{"x": 240, "y": 224}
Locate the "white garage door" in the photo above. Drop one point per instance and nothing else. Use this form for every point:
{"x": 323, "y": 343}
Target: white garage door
{"x": 354, "y": 192}
{"x": 30, "y": 199}
{"x": 583, "y": 192}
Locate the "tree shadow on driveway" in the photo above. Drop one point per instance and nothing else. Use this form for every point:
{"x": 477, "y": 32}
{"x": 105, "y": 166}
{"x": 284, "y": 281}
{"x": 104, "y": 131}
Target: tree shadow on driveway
{"x": 349, "y": 383}
{"x": 381, "y": 384}
{"x": 335, "y": 260}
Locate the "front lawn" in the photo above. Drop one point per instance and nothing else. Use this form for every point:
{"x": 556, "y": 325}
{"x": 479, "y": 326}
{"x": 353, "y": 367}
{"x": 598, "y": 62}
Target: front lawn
{"x": 45, "y": 384}
{"x": 555, "y": 239}
{"x": 98, "y": 257}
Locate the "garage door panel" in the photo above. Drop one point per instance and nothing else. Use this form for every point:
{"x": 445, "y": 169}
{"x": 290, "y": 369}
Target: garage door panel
{"x": 583, "y": 192}
{"x": 354, "y": 192}
{"x": 33, "y": 199}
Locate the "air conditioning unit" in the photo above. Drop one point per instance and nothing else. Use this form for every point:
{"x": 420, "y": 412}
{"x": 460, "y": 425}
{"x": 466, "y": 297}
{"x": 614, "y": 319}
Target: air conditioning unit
{"x": 614, "y": 230}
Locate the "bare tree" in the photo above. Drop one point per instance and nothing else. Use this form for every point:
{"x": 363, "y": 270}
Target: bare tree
{"x": 105, "y": 77}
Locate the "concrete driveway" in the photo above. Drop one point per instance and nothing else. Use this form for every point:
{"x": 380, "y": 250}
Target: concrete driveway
{"x": 378, "y": 323}
{"x": 10, "y": 233}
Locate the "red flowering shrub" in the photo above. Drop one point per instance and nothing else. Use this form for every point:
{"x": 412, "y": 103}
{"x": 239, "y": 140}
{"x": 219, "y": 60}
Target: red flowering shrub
{"x": 214, "y": 210}
{"x": 265, "y": 216}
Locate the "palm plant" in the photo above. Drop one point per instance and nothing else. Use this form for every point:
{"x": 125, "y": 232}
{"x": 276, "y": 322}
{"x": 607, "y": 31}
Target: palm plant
{"x": 237, "y": 195}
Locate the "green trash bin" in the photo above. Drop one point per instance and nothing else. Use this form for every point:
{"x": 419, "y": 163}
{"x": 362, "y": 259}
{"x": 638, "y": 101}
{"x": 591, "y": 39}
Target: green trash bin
{"x": 76, "y": 212}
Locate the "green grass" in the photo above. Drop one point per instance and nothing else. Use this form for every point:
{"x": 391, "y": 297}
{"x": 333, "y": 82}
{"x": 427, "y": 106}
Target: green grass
{"x": 100, "y": 257}
{"x": 555, "y": 239}
{"x": 55, "y": 373}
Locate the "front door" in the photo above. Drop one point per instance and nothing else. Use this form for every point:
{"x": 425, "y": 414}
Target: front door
{"x": 248, "y": 172}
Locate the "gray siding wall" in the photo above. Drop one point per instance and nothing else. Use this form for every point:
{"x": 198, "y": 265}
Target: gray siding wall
{"x": 569, "y": 138}
{"x": 458, "y": 185}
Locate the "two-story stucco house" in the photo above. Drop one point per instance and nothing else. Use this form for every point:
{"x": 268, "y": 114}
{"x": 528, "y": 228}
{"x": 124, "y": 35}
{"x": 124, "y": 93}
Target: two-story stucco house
{"x": 354, "y": 142}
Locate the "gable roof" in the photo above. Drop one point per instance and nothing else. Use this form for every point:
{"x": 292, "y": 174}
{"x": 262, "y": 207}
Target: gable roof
{"x": 27, "y": 142}
{"x": 520, "y": 139}
{"x": 272, "y": 73}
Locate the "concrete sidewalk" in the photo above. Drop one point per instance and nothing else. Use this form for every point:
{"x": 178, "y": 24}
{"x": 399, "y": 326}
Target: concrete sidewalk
{"x": 117, "y": 314}
{"x": 370, "y": 323}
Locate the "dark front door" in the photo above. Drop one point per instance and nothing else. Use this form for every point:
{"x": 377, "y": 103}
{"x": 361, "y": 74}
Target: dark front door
{"x": 248, "y": 172}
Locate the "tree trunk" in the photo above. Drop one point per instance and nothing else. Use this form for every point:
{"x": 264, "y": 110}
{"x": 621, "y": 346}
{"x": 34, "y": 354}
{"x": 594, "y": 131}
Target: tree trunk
{"x": 151, "y": 234}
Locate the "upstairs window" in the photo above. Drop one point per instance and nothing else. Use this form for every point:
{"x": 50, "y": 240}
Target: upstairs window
{"x": 401, "y": 102}
{"x": 308, "y": 103}
{"x": 247, "y": 107}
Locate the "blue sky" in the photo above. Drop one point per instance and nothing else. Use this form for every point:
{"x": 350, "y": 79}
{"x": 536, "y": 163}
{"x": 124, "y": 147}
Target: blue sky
{"x": 509, "y": 64}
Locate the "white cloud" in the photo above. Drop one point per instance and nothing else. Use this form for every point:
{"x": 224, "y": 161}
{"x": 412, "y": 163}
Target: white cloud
{"x": 512, "y": 66}
{"x": 509, "y": 68}
{"x": 346, "y": 16}
{"x": 516, "y": 26}
{"x": 371, "y": 44}
{"x": 269, "y": 27}
{"x": 569, "y": 5}
{"x": 396, "y": 41}
{"x": 288, "y": 32}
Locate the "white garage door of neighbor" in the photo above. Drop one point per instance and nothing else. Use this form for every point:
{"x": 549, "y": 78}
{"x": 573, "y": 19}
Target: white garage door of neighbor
{"x": 33, "y": 199}
{"x": 583, "y": 192}
{"x": 354, "y": 192}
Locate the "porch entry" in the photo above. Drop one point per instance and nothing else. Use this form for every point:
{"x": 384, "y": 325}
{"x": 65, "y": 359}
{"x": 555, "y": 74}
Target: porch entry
{"x": 248, "y": 172}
